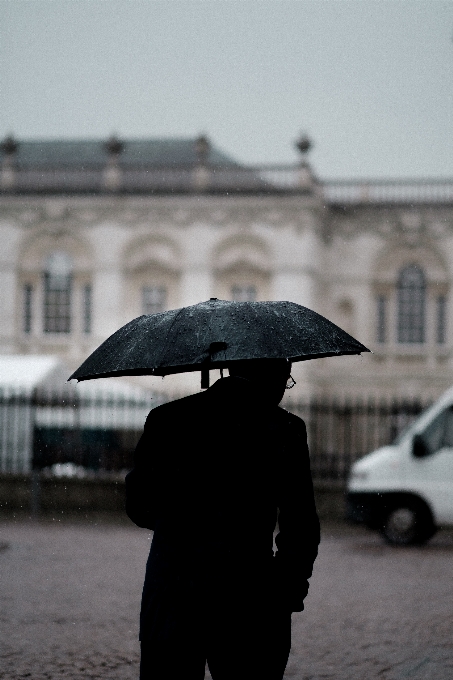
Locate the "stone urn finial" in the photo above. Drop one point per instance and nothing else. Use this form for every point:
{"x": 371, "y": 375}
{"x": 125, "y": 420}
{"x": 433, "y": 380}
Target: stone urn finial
{"x": 9, "y": 145}
{"x": 304, "y": 144}
{"x": 112, "y": 171}
{"x": 306, "y": 179}
{"x": 114, "y": 146}
{"x": 202, "y": 149}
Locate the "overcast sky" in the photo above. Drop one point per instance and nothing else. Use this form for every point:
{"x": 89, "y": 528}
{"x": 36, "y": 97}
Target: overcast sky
{"x": 370, "y": 81}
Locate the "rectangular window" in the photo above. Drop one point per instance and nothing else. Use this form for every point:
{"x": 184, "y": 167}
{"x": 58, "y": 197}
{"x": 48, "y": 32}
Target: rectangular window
{"x": 411, "y": 305}
{"x": 57, "y": 303}
{"x": 27, "y": 308}
{"x": 381, "y": 334}
{"x": 87, "y": 305}
{"x": 244, "y": 293}
{"x": 441, "y": 327}
{"x": 411, "y": 317}
{"x": 154, "y": 299}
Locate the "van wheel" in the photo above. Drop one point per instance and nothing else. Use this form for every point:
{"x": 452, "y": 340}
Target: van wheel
{"x": 408, "y": 523}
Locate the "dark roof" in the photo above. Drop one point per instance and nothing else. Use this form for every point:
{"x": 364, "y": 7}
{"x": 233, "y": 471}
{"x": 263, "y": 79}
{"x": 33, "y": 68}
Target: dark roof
{"x": 134, "y": 166}
{"x": 93, "y": 154}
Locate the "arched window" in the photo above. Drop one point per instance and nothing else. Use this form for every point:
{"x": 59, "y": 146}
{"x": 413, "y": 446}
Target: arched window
{"x": 57, "y": 293}
{"x": 411, "y": 304}
{"x": 245, "y": 293}
{"x": 154, "y": 299}
{"x": 381, "y": 328}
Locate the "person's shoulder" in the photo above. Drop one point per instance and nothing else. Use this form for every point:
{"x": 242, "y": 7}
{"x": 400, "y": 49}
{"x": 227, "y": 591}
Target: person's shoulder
{"x": 182, "y": 402}
{"x": 290, "y": 419}
{"x": 171, "y": 409}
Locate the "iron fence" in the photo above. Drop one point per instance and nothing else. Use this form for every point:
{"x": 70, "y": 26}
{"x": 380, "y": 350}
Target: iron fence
{"x": 65, "y": 433}
{"x": 342, "y": 430}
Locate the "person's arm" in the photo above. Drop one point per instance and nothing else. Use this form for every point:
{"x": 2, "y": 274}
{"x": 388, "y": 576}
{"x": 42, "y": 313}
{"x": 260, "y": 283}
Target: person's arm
{"x": 299, "y": 534}
{"x": 140, "y": 498}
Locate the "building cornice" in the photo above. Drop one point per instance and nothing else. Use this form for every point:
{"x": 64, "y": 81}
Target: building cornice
{"x": 176, "y": 211}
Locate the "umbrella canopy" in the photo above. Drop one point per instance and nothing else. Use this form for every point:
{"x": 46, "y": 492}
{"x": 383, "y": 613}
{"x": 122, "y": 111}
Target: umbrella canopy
{"x": 214, "y": 333}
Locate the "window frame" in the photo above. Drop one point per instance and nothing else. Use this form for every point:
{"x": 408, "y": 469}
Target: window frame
{"x": 87, "y": 308}
{"x": 381, "y": 319}
{"x": 441, "y": 319}
{"x": 160, "y": 304}
{"x": 237, "y": 297}
{"x": 27, "y": 308}
{"x": 411, "y": 298}
{"x": 57, "y": 305}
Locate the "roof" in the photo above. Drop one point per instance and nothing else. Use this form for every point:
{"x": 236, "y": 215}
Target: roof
{"x": 24, "y": 373}
{"x": 93, "y": 154}
{"x": 186, "y": 165}
{"x": 27, "y": 372}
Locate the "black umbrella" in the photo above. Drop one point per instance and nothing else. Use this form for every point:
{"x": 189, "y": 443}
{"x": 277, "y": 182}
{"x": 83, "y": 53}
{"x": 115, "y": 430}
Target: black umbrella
{"x": 211, "y": 334}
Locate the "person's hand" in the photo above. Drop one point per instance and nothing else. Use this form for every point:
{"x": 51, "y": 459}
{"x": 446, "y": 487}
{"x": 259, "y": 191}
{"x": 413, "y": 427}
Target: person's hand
{"x": 290, "y": 590}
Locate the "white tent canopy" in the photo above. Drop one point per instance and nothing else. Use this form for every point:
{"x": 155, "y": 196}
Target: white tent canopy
{"x": 27, "y": 372}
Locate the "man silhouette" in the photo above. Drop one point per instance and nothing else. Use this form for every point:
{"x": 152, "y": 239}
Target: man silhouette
{"x": 212, "y": 473}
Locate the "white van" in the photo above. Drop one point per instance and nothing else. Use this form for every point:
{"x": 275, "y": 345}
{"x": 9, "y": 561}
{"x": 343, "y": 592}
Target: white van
{"x": 406, "y": 490}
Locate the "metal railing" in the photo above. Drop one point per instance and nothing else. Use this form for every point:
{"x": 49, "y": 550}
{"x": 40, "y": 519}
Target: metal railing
{"x": 342, "y": 430}
{"x": 350, "y": 192}
{"x": 159, "y": 180}
{"x": 48, "y": 429}
{"x": 234, "y": 179}
{"x": 63, "y": 433}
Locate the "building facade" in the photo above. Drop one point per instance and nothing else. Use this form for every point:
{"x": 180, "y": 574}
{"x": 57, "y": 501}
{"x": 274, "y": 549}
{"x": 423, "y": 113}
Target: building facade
{"x": 94, "y": 234}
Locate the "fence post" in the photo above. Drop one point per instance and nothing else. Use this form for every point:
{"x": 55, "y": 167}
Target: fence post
{"x": 35, "y": 497}
{"x": 35, "y": 475}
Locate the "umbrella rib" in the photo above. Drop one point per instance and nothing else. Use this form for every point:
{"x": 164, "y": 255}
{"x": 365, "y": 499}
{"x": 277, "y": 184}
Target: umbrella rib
{"x": 164, "y": 344}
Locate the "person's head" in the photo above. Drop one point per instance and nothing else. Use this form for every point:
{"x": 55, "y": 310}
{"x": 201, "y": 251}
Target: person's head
{"x": 270, "y": 375}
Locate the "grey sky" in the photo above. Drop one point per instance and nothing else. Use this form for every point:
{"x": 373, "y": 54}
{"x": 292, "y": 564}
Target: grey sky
{"x": 372, "y": 82}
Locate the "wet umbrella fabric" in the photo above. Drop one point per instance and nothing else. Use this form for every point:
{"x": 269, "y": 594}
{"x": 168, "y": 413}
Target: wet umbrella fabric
{"x": 211, "y": 334}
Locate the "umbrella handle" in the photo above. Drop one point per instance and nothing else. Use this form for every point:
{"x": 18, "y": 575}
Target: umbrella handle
{"x": 214, "y": 348}
{"x": 204, "y": 378}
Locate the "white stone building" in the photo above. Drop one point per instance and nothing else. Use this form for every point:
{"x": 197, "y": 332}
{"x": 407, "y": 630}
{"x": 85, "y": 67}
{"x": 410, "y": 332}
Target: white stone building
{"x": 95, "y": 233}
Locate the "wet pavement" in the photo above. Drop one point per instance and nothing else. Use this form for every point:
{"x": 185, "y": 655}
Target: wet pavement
{"x": 70, "y": 593}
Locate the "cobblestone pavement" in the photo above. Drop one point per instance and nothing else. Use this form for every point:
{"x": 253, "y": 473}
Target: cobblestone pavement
{"x": 69, "y": 600}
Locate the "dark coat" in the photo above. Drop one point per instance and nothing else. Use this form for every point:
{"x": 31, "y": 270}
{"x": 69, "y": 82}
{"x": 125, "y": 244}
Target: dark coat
{"x": 212, "y": 473}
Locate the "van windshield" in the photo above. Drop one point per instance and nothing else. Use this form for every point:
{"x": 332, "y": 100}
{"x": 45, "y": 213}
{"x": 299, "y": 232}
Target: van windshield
{"x": 438, "y": 433}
